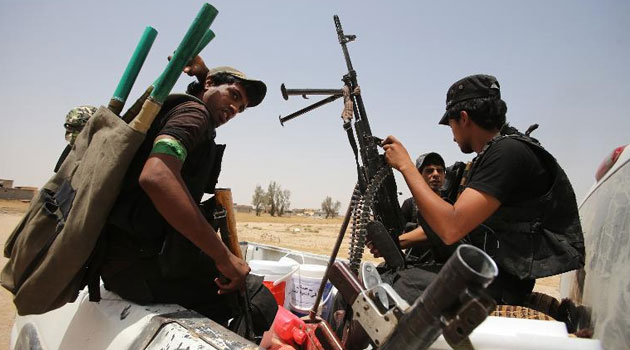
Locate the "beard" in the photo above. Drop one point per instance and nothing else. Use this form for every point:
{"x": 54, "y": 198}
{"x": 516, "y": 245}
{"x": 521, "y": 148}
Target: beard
{"x": 465, "y": 148}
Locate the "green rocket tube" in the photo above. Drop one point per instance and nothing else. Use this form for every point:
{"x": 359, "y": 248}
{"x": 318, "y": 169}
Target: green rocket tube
{"x": 182, "y": 55}
{"x": 133, "y": 69}
{"x": 205, "y": 40}
{"x": 207, "y": 37}
{"x": 164, "y": 84}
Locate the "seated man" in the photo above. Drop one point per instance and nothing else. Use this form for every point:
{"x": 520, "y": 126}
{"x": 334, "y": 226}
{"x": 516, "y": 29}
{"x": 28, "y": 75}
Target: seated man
{"x": 159, "y": 247}
{"x": 431, "y": 167}
{"x": 515, "y": 188}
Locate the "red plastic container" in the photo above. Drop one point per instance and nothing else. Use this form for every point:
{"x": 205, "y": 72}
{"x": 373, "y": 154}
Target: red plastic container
{"x": 277, "y": 291}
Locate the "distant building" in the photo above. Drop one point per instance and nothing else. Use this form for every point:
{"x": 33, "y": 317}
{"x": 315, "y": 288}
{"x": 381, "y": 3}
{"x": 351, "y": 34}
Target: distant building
{"x": 7, "y": 191}
{"x": 241, "y": 208}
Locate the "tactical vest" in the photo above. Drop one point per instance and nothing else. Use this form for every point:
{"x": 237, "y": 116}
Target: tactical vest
{"x": 134, "y": 216}
{"x": 539, "y": 237}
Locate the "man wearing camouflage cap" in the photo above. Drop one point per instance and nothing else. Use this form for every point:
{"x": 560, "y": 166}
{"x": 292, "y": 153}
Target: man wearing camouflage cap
{"x": 76, "y": 120}
{"x": 515, "y": 188}
{"x": 159, "y": 246}
{"x": 74, "y": 123}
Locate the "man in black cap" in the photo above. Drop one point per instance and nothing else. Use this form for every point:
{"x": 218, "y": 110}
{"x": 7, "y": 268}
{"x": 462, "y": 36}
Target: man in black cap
{"x": 515, "y": 189}
{"x": 432, "y": 168}
{"x": 159, "y": 246}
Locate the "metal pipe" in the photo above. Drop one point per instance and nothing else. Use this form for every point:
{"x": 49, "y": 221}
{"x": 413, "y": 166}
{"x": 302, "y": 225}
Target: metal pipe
{"x": 468, "y": 269}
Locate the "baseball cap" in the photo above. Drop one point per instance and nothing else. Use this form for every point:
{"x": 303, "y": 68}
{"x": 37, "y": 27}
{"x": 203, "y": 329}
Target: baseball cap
{"x": 429, "y": 158}
{"x": 468, "y": 88}
{"x": 256, "y": 89}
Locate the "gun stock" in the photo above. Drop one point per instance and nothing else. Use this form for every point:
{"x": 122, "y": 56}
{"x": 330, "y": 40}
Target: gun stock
{"x": 223, "y": 197}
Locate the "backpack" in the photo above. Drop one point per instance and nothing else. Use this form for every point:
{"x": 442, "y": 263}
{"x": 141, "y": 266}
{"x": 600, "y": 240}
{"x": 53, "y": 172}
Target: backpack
{"x": 49, "y": 249}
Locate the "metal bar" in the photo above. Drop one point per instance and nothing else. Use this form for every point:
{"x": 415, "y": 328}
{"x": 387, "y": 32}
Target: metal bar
{"x": 308, "y": 109}
{"x": 333, "y": 256}
{"x": 303, "y": 92}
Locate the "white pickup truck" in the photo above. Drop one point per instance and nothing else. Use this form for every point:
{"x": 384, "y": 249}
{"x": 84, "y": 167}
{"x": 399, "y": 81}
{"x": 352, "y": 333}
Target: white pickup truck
{"x": 603, "y": 285}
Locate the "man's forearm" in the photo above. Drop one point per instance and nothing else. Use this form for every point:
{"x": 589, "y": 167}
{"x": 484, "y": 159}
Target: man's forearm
{"x": 173, "y": 201}
{"x": 450, "y": 222}
{"x": 412, "y": 238}
{"x": 438, "y": 213}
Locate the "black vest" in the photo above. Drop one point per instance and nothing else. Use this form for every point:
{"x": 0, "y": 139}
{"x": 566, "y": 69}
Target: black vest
{"x": 134, "y": 218}
{"x": 535, "y": 238}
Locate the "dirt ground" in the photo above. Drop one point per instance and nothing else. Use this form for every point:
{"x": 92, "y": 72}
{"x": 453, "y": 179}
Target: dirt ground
{"x": 10, "y": 214}
{"x": 301, "y": 233}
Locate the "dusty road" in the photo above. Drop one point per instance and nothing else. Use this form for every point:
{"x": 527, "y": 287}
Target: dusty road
{"x": 306, "y": 234}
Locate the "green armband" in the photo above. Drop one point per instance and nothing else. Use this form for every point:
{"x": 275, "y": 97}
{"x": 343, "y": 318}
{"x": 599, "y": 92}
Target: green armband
{"x": 171, "y": 147}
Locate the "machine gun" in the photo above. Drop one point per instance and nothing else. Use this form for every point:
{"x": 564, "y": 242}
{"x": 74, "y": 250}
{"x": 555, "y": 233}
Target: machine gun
{"x": 375, "y": 196}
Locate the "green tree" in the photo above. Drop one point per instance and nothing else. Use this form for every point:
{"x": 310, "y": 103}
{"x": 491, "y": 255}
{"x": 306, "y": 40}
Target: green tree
{"x": 278, "y": 200}
{"x": 259, "y": 199}
{"x": 330, "y": 208}
{"x": 272, "y": 194}
{"x": 284, "y": 201}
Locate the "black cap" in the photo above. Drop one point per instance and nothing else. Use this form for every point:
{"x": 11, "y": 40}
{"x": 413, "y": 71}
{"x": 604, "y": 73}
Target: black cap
{"x": 429, "y": 158}
{"x": 468, "y": 88}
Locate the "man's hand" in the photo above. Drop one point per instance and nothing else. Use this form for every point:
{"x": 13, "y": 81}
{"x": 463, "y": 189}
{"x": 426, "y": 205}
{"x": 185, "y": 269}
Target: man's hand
{"x": 234, "y": 270}
{"x": 196, "y": 68}
{"x": 396, "y": 155}
{"x": 375, "y": 253}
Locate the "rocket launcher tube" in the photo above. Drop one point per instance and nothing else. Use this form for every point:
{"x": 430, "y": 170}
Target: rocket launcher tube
{"x": 182, "y": 55}
{"x": 135, "y": 108}
{"x": 163, "y": 86}
{"x": 133, "y": 69}
{"x": 207, "y": 38}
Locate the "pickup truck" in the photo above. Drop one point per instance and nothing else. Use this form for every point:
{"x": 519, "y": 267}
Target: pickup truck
{"x": 603, "y": 286}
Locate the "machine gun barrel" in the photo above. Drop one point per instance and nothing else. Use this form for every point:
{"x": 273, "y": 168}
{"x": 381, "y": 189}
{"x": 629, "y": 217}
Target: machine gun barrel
{"x": 304, "y": 92}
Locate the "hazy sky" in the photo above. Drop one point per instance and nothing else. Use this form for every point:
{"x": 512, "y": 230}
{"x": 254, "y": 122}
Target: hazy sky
{"x": 561, "y": 64}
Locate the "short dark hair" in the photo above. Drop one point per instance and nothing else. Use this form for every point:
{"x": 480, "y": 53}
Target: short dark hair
{"x": 217, "y": 79}
{"x": 488, "y": 112}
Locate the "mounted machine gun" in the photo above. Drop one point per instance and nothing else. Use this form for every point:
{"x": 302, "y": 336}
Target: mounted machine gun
{"x": 375, "y": 198}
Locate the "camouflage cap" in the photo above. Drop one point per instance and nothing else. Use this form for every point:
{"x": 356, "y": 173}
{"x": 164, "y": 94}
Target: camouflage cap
{"x": 76, "y": 120}
{"x": 256, "y": 89}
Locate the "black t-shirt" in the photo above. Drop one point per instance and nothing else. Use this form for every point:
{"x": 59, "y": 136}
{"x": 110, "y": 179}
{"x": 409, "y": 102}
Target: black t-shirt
{"x": 511, "y": 172}
{"x": 188, "y": 122}
{"x": 409, "y": 210}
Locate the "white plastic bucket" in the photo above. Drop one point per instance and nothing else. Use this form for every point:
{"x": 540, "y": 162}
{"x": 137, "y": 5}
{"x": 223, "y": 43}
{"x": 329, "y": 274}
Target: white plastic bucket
{"x": 306, "y": 282}
{"x": 276, "y": 274}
